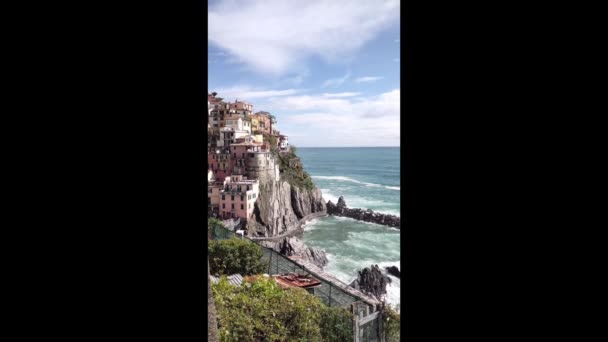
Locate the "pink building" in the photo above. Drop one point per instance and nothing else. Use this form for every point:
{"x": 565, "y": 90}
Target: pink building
{"x": 238, "y": 196}
{"x": 239, "y": 154}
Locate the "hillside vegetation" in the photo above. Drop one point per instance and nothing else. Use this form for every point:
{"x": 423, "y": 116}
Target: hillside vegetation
{"x": 292, "y": 170}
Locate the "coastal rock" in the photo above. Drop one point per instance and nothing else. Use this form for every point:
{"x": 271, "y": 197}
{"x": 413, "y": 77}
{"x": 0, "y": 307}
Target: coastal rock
{"x": 291, "y": 246}
{"x": 367, "y": 215}
{"x": 281, "y": 207}
{"x": 372, "y": 282}
{"x": 394, "y": 271}
{"x": 341, "y": 203}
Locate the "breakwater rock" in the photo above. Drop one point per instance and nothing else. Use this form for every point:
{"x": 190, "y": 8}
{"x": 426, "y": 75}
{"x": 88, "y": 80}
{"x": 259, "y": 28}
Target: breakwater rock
{"x": 394, "y": 271}
{"x": 372, "y": 282}
{"x": 291, "y": 246}
{"x": 368, "y": 215}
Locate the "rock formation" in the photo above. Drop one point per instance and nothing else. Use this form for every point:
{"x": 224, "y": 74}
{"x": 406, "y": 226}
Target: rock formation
{"x": 394, "y": 271}
{"x": 372, "y": 282}
{"x": 291, "y": 246}
{"x": 368, "y": 215}
{"x": 281, "y": 207}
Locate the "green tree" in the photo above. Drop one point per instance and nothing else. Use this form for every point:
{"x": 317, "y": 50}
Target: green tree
{"x": 236, "y": 256}
{"x": 212, "y": 225}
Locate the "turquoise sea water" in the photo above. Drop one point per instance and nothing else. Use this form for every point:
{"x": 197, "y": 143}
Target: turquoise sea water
{"x": 367, "y": 178}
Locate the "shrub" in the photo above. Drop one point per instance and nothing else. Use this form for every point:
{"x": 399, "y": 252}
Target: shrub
{"x": 213, "y": 225}
{"x": 293, "y": 172}
{"x": 336, "y": 324}
{"x": 262, "y": 311}
{"x": 235, "y": 256}
{"x": 392, "y": 323}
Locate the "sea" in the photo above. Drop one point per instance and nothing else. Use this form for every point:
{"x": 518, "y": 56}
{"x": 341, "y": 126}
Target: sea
{"x": 368, "y": 178}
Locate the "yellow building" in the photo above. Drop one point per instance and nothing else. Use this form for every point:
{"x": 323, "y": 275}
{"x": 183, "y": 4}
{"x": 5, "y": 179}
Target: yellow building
{"x": 255, "y": 123}
{"x": 258, "y": 138}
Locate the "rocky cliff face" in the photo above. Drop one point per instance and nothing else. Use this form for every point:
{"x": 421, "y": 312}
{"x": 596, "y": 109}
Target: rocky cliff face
{"x": 294, "y": 247}
{"x": 281, "y": 207}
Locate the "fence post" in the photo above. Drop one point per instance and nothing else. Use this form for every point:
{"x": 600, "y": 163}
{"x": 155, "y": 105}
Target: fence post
{"x": 355, "y": 322}
{"x": 270, "y": 262}
{"x": 381, "y": 325}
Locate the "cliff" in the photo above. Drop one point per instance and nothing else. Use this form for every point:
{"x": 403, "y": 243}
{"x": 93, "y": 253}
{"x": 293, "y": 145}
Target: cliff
{"x": 283, "y": 205}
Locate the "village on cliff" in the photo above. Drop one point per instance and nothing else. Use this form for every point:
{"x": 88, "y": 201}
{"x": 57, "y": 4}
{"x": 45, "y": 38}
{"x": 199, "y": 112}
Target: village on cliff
{"x": 240, "y": 154}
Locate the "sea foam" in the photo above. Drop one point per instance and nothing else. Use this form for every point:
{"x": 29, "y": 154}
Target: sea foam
{"x": 348, "y": 179}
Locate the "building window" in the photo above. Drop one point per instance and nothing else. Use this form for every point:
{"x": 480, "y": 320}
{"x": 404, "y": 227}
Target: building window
{"x": 232, "y": 197}
{"x": 242, "y": 207}
{"x": 232, "y": 205}
{"x": 242, "y": 197}
{"x": 223, "y": 198}
{"x": 223, "y": 205}
{"x": 210, "y": 190}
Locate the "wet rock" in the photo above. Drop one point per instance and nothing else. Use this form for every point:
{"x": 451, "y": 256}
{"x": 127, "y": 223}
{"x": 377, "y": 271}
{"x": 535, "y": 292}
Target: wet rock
{"x": 367, "y": 215}
{"x": 372, "y": 282}
{"x": 394, "y": 271}
{"x": 341, "y": 203}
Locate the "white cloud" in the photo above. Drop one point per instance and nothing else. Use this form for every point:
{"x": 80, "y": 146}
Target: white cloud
{"x": 271, "y": 36}
{"x": 347, "y": 94}
{"x": 368, "y": 79}
{"x": 245, "y": 93}
{"x": 335, "y": 82}
{"x": 328, "y": 121}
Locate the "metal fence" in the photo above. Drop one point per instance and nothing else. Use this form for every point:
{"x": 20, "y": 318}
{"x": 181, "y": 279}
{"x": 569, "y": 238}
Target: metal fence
{"x": 367, "y": 326}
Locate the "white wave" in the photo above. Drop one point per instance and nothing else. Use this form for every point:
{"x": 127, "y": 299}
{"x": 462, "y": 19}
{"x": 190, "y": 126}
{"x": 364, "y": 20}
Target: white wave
{"x": 393, "y": 291}
{"x": 328, "y": 196}
{"x": 348, "y": 179}
{"x": 310, "y": 225}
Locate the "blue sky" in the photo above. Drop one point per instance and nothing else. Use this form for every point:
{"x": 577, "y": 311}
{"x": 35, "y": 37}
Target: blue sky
{"x": 327, "y": 69}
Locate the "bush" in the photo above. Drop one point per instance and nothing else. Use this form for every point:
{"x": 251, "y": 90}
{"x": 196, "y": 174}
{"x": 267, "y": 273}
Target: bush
{"x": 236, "y": 256}
{"x": 213, "y": 225}
{"x": 262, "y": 311}
{"x": 392, "y": 323}
{"x": 336, "y": 324}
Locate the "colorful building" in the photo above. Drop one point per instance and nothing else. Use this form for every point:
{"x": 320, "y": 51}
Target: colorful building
{"x": 237, "y": 197}
{"x": 264, "y": 124}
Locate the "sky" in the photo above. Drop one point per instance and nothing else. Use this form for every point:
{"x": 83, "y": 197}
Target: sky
{"x": 328, "y": 70}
